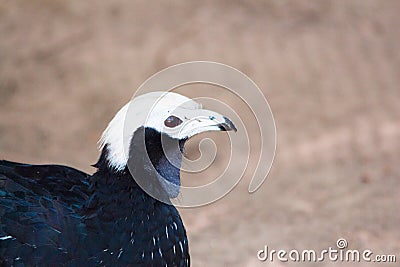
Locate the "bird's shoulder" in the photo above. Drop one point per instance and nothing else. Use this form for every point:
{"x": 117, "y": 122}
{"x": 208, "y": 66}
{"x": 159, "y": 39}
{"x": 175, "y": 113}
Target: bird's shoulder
{"x": 67, "y": 184}
{"x": 38, "y": 207}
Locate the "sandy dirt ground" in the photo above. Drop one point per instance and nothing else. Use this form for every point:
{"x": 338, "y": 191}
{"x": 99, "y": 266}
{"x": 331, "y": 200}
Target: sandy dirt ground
{"x": 329, "y": 69}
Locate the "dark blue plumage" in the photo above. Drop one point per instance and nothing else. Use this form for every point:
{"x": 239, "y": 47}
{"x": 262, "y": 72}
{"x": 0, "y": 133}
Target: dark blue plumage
{"x": 52, "y": 215}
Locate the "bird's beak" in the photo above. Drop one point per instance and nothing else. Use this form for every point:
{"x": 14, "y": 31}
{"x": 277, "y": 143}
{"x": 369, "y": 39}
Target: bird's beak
{"x": 227, "y": 125}
{"x": 202, "y": 120}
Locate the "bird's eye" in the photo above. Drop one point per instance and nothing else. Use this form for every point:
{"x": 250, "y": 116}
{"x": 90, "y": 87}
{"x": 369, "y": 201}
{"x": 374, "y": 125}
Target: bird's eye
{"x": 172, "y": 121}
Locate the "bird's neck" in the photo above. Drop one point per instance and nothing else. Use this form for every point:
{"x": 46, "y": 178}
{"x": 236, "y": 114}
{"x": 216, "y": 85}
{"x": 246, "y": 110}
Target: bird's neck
{"x": 121, "y": 216}
{"x": 154, "y": 163}
{"x": 116, "y": 195}
{"x": 128, "y": 224}
{"x": 153, "y": 157}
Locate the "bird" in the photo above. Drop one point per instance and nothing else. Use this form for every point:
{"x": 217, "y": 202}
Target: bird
{"x": 122, "y": 214}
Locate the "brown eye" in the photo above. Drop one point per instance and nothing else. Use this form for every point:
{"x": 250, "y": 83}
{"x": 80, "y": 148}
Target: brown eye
{"x": 172, "y": 121}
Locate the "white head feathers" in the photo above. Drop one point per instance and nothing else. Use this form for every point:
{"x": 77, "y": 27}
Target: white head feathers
{"x": 151, "y": 110}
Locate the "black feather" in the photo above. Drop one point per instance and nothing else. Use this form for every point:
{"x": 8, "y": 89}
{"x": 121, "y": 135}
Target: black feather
{"x": 53, "y": 215}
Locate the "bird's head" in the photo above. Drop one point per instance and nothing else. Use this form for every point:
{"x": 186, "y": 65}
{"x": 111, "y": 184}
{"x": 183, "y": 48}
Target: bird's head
{"x": 147, "y": 137}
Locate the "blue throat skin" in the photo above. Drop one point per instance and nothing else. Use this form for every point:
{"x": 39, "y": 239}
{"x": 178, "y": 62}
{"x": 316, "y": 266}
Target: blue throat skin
{"x": 155, "y": 160}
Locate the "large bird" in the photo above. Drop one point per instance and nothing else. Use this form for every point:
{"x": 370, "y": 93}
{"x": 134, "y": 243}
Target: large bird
{"x": 53, "y": 215}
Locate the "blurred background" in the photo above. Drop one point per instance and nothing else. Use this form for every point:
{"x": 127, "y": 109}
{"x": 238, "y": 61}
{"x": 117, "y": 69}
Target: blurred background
{"x": 329, "y": 69}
